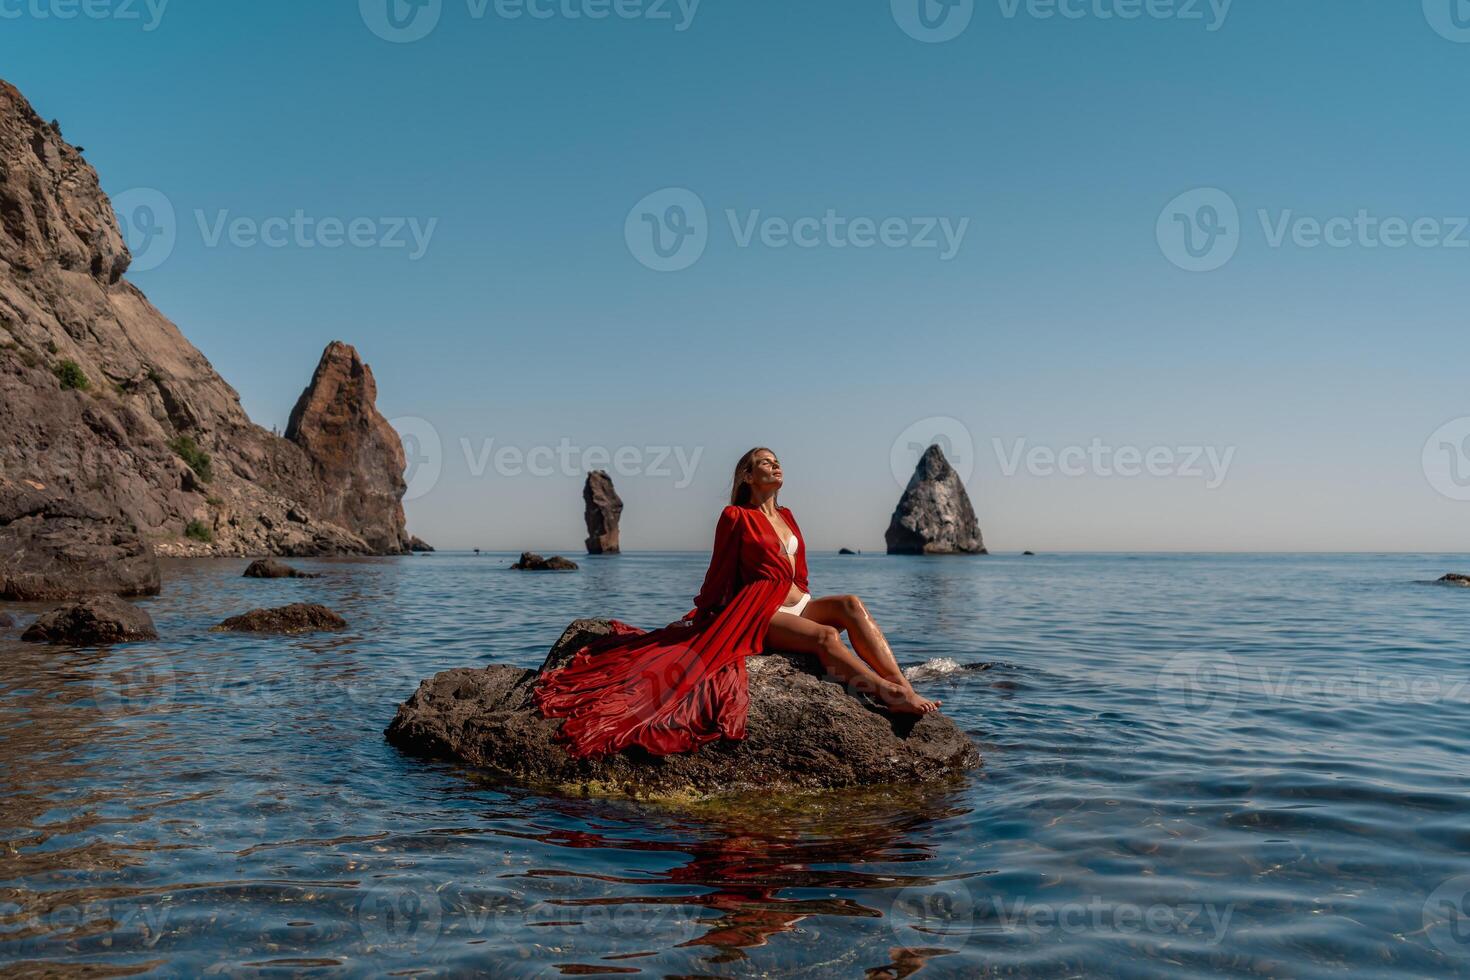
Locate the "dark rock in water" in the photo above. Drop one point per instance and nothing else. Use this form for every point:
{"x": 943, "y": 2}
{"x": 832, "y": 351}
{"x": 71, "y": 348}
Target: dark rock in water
{"x": 532, "y": 562}
{"x": 846, "y": 551}
{"x": 299, "y": 617}
{"x": 1455, "y": 578}
{"x": 802, "y": 733}
{"x": 270, "y": 568}
{"x": 934, "y": 516}
{"x": 56, "y": 548}
{"x": 603, "y": 510}
{"x": 95, "y": 621}
{"x": 416, "y": 543}
{"x": 1026, "y": 553}
{"x": 6, "y": 621}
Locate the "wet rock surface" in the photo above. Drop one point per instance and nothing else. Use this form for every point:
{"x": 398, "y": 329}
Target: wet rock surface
{"x": 1455, "y": 578}
{"x": 299, "y": 617}
{"x": 934, "y": 515}
{"x": 95, "y": 621}
{"x": 532, "y": 562}
{"x": 270, "y": 568}
{"x": 803, "y": 733}
{"x": 55, "y": 548}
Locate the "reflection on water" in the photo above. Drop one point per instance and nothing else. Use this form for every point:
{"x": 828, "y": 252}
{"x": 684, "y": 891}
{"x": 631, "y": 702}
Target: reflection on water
{"x": 1193, "y": 764}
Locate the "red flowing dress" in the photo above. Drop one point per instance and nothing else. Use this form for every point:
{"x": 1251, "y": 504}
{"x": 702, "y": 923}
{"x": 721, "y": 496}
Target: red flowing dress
{"x": 673, "y": 689}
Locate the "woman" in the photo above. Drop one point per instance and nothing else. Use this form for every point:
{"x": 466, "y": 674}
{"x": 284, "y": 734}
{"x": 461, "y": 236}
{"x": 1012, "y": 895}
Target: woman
{"x": 673, "y": 689}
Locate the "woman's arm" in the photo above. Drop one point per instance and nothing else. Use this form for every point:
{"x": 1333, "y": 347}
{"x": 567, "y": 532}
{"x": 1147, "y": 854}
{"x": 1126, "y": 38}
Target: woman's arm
{"x": 724, "y": 563}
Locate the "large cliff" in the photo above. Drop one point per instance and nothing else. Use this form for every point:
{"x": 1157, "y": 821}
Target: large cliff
{"x": 105, "y": 403}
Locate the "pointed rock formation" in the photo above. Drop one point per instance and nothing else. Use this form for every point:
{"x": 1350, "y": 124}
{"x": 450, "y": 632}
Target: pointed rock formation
{"x": 603, "y": 511}
{"x": 106, "y": 404}
{"x": 356, "y": 456}
{"x": 934, "y": 516}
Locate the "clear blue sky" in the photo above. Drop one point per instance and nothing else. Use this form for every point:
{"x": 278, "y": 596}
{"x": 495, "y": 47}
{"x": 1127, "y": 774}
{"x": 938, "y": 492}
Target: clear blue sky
{"x": 528, "y": 319}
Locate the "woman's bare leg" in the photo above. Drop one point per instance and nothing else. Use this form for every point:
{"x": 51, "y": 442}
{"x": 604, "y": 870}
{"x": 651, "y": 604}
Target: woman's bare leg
{"x": 847, "y": 612}
{"x": 799, "y": 635}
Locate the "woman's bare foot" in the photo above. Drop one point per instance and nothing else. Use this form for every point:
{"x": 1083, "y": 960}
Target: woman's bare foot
{"x": 903, "y": 700}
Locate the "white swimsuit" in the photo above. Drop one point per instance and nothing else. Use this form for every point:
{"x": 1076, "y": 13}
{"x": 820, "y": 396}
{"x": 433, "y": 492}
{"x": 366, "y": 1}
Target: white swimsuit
{"x": 796, "y": 607}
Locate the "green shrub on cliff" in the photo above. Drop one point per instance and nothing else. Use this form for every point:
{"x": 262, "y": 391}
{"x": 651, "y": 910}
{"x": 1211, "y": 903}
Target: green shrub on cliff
{"x": 188, "y": 450}
{"x": 199, "y": 531}
{"x": 70, "y": 374}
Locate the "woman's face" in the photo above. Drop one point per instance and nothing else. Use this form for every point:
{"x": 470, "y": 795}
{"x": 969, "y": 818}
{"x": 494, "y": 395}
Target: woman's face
{"x": 765, "y": 472}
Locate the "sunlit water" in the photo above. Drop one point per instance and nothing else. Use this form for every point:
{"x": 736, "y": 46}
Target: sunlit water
{"x": 1193, "y": 764}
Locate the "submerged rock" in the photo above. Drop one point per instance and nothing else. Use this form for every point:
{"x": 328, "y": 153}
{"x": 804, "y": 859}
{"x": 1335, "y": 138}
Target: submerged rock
{"x": 532, "y": 562}
{"x": 95, "y": 621}
{"x": 803, "y": 733}
{"x": 1455, "y": 578}
{"x": 6, "y": 621}
{"x": 934, "y": 516}
{"x": 55, "y": 548}
{"x": 299, "y": 617}
{"x": 270, "y": 568}
{"x": 604, "y": 508}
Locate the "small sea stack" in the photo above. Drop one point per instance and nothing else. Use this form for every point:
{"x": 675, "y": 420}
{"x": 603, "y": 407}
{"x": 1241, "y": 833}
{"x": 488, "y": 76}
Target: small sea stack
{"x": 418, "y": 545}
{"x": 603, "y": 510}
{"x": 846, "y": 551}
{"x": 934, "y": 516}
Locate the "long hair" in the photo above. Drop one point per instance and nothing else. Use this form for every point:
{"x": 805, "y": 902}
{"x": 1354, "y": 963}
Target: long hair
{"x": 739, "y": 489}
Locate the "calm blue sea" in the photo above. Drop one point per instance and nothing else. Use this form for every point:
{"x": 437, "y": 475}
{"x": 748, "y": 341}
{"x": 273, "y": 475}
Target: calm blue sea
{"x": 1194, "y": 764}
